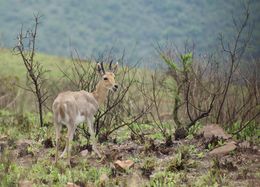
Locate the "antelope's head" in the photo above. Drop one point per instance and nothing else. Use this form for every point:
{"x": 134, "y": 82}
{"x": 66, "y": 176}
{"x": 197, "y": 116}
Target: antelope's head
{"x": 108, "y": 78}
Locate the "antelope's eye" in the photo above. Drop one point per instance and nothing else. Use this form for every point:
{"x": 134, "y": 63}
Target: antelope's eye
{"x": 105, "y": 78}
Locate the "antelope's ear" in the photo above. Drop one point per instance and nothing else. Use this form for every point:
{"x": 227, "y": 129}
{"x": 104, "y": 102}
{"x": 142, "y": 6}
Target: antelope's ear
{"x": 115, "y": 67}
{"x": 99, "y": 68}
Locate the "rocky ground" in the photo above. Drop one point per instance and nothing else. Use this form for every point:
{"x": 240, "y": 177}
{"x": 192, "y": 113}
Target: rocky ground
{"x": 210, "y": 158}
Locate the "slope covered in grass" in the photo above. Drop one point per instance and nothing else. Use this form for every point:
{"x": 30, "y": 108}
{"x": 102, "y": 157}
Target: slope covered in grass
{"x": 11, "y": 64}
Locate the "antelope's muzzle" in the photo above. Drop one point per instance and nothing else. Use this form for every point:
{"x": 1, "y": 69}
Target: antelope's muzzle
{"x": 115, "y": 87}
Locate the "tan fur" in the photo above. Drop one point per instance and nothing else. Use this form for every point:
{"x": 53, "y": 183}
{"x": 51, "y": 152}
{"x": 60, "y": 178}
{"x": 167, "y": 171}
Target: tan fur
{"x": 71, "y": 108}
{"x": 62, "y": 113}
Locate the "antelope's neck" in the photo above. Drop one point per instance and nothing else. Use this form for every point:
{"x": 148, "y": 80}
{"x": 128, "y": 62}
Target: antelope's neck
{"x": 100, "y": 93}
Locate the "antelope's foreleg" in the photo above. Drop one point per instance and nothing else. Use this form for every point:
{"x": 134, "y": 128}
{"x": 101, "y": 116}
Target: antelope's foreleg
{"x": 93, "y": 137}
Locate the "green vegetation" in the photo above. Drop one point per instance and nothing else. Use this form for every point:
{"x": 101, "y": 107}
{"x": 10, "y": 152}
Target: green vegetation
{"x": 167, "y": 179}
{"x": 212, "y": 178}
{"x": 12, "y": 65}
{"x": 181, "y": 160}
{"x": 38, "y": 166}
{"x": 148, "y": 166}
{"x": 250, "y": 133}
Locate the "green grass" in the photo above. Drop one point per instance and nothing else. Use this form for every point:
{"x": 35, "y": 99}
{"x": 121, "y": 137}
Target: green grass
{"x": 12, "y": 64}
{"x": 42, "y": 171}
{"x": 45, "y": 173}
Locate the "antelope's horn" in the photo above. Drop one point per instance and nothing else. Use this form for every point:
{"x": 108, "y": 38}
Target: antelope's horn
{"x": 102, "y": 68}
{"x": 110, "y": 65}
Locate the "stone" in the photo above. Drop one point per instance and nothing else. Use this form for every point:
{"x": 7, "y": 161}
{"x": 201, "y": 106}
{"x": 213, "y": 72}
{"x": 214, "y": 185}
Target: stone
{"x": 123, "y": 165}
{"x": 214, "y": 130}
{"x": 84, "y": 153}
{"x": 224, "y": 150}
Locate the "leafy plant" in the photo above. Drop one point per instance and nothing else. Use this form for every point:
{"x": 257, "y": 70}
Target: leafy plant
{"x": 193, "y": 130}
{"x": 164, "y": 178}
{"x": 181, "y": 161}
{"x": 251, "y": 132}
{"x": 148, "y": 166}
{"x": 213, "y": 178}
{"x": 10, "y": 172}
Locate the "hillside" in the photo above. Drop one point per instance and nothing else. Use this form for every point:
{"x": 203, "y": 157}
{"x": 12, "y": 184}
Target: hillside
{"x": 12, "y": 64}
{"x": 93, "y": 26}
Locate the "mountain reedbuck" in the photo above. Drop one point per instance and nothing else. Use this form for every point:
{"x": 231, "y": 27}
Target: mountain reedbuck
{"x": 71, "y": 108}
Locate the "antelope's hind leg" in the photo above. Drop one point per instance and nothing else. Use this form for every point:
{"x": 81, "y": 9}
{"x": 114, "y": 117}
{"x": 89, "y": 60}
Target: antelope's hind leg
{"x": 58, "y": 127}
{"x": 70, "y": 134}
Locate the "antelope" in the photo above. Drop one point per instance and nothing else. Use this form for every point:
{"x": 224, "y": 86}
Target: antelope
{"x": 71, "y": 108}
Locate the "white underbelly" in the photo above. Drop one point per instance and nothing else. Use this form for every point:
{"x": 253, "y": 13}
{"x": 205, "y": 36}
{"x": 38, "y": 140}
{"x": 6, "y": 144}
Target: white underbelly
{"x": 80, "y": 119}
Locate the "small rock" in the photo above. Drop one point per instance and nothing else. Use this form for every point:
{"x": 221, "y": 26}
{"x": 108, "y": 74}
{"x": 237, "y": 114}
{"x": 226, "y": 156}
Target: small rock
{"x": 70, "y": 184}
{"x": 25, "y": 183}
{"x": 123, "y": 165}
{"x": 84, "y": 152}
{"x": 215, "y": 130}
{"x": 225, "y": 149}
